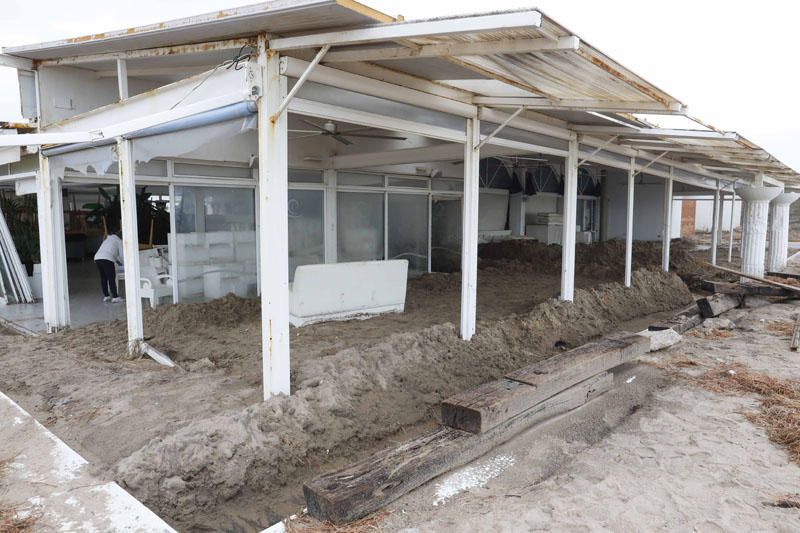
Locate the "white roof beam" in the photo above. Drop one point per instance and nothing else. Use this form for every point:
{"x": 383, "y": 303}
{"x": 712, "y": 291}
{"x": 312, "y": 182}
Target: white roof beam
{"x": 578, "y": 104}
{"x": 364, "y": 85}
{"x": 656, "y": 132}
{"x": 20, "y": 63}
{"x": 159, "y": 71}
{"x": 410, "y": 30}
{"x": 480, "y": 48}
{"x": 33, "y": 139}
{"x": 185, "y": 49}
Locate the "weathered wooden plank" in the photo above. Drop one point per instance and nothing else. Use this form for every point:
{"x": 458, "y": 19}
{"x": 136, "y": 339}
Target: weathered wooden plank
{"x": 756, "y": 278}
{"x": 480, "y": 409}
{"x": 365, "y": 487}
{"x": 717, "y": 304}
{"x": 721, "y": 287}
{"x": 795, "y": 335}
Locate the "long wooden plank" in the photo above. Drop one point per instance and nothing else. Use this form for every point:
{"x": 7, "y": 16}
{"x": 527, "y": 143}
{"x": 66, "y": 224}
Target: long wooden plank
{"x": 795, "y": 336}
{"x": 723, "y": 287}
{"x": 717, "y": 304}
{"x": 482, "y": 408}
{"x": 789, "y": 275}
{"x": 365, "y": 487}
{"x": 756, "y": 278}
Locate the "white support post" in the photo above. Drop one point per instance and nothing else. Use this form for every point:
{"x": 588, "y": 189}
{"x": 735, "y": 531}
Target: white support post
{"x": 52, "y": 248}
{"x": 715, "y": 226}
{"x": 469, "y": 239}
{"x": 754, "y": 227}
{"x": 629, "y": 225}
{"x": 173, "y": 248}
{"x": 779, "y": 231}
{"x": 122, "y": 78}
{"x": 730, "y": 232}
{"x": 570, "y": 219}
{"x": 330, "y": 216}
{"x": 666, "y": 232}
{"x": 130, "y": 246}
{"x": 274, "y": 224}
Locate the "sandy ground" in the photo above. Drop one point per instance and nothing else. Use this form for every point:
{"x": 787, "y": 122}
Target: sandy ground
{"x": 657, "y": 453}
{"x": 198, "y": 446}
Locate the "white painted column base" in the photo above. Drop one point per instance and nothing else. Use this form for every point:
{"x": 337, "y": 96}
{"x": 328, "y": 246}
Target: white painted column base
{"x": 779, "y": 231}
{"x": 754, "y": 227}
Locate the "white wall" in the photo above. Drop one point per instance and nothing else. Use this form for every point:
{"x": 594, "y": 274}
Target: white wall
{"x": 705, "y": 210}
{"x": 69, "y": 91}
{"x": 648, "y": 207}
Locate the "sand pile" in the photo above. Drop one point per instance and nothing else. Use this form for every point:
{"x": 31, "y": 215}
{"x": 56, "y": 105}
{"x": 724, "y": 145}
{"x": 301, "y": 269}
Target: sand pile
{"x": 351, "y": 399}
{"x": 601, "y": 259}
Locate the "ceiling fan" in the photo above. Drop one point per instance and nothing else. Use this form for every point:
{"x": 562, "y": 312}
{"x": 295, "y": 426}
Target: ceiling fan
{"x": 331, "y": 129}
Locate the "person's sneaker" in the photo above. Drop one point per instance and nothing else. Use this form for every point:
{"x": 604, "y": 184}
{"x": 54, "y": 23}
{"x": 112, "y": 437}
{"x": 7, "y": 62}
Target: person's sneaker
{"x": 107, "y": 298}
{"x": 117, "y": 300}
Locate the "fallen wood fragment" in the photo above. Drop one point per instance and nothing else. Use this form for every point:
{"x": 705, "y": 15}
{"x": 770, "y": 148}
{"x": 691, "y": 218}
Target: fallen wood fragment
{"x": 157, "y": 356}
{"x": 680, "y": 323}
{"x": 365, "y": 487}
{"x": 762, "y": 280}
{"x": 480, "y": 409}
{"x": 722, "y": 287}
{"x": 795, "y": 336}
{"x": 717, "y": 304}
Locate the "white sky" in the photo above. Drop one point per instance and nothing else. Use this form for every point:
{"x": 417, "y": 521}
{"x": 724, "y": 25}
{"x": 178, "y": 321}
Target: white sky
{"x": 730, "y": 61}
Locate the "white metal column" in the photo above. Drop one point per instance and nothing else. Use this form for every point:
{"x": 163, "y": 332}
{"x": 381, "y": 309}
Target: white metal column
{"x": 273, "y": 217}
{"x": 330, "y": 215}
{"x": 715, "y": 226}
{"x": 730, "y": 232}
{"x": 130, "y": 245}
{"x": 173, "y": 247}
{"x": 469, "y": 239}
{"x": 52, "y": 248}
{"x": 569, "y": 225}
{"x": 666, "y": 237}
{"x": 629, "y": 225}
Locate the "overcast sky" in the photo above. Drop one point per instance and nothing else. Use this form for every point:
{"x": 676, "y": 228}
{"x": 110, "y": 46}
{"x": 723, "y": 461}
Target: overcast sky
{"x": 730, "y": 61}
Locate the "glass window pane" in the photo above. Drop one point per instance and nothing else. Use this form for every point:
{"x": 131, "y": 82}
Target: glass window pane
{"x": 446, "y": 234}
{"x": 359, "y": 179}
{"x": 215, "y": 248}
{"x": 408, "y": 230}
{"x": 306, "y": 229}
{"x": 408, "y": 182}
{"x": 447, "y": 185}
{"x": 359, "y": 226}
{"x": 297, "y": 175}
{"x": 217, "y": 171}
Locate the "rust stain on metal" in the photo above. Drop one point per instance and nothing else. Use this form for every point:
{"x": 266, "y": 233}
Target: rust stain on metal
{"x": 619, "y": 75}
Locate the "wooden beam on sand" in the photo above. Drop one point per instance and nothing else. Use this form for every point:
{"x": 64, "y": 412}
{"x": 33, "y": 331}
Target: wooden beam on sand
{"x": 795, "y": 336}
{"x": 762, "y": 280}
{"x": 751, "y": 289}
{"x": 365, "y": 487}
{"x": 717, "y": 304}
{"x": 788, "y": 275}
{"x": 482, "y": 408}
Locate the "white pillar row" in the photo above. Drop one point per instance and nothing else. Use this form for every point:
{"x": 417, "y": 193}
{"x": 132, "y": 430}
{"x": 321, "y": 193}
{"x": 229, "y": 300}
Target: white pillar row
{"x": 569, "y": 223}
{"x": 52, "y": 247}
{"x": 273, "y": 191}
{"x": 779, "y": 230}
{"x": 629, "y": 223}
{"x": 755, "y": 210}
{"x": 130, "y": 245}
{"x": 666, "y": 231}
{"x": 469, "y": 229}
{"x": 715, "y": 227}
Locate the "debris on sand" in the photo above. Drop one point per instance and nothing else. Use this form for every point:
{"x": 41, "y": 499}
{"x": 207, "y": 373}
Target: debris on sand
{"x": 356, "y": 397}
{"x": 12, "y": 520}
{"x": 787, "y": 501}
{"x": 309, "y": 524}
{"x": 779, "y": 401}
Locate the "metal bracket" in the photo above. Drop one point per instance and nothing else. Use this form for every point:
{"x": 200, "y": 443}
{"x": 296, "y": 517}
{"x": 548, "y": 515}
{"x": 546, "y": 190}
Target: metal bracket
{"x": 597, "y": 151}
{"x": 500, "y": 127}
{"x": 300, "y": 81}
{"x": 648, "y": 164}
